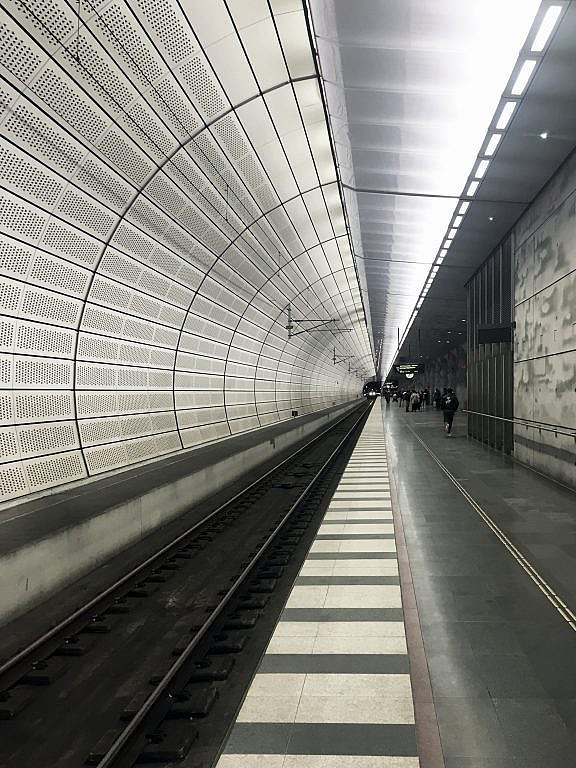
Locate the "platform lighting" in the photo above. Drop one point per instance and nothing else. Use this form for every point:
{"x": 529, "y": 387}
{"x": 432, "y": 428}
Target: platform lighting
{"x": 505, "y": 115}
{"x": 543, "y": 135}
{"x": 545, "y": 29}
{"x": 472, "y": 188}
{"x": 481, "y": 169}
{"x": 523, "y": 77}
{"x": 492, "y": 144}
{"x": 517, "y": 18}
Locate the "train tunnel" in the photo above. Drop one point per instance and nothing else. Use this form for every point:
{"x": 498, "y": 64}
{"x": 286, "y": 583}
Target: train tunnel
{"x": 287, "y": 383}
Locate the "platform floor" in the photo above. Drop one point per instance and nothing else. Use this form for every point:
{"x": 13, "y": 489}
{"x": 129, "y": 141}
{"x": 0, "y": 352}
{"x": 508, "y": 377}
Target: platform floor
{"x": 333, "y": 689}
{"x": 426, "y": 627}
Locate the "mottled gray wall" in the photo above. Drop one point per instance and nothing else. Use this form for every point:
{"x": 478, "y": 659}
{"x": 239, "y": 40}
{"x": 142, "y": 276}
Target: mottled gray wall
{"x": 448, "y": 370}
{"x": 545, "y": 336}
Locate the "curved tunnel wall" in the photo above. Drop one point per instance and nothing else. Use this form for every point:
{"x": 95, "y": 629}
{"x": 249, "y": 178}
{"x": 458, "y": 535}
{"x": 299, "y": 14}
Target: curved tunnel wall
{"x": 168, "y": 187}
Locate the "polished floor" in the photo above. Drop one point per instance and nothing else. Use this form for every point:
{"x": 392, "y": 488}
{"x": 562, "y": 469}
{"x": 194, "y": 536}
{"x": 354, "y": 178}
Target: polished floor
{"x": 431, "y": 624}
{"x": 501, "y": 657}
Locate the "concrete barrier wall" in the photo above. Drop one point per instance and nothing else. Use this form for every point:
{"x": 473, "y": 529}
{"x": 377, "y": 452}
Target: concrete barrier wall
{"x": 32, "y": 572}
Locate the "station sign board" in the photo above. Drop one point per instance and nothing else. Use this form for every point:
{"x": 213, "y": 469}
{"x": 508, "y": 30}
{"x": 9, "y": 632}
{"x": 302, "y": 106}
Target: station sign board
{"x": 408, "y": 369}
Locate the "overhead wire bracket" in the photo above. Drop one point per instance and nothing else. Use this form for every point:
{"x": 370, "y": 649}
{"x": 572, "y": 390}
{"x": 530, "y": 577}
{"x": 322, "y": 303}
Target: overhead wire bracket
{"x": 321, "y": 324}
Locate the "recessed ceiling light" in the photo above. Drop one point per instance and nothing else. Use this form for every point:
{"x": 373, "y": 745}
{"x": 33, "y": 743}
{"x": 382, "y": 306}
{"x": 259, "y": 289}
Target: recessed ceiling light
{"x": 546, "y": 27}
{"x": 490, "y": 218}
{"x": 505, "y": 115}
{"x": 543, "y": 135}
{"x": 492, "y": 144}
{"x": 464, "y": 207}
{"x": 523, "y": 77}
{"x": 463, "y": 321}
{"x": 472, "y": 188}
{"x": 481, "y": 168}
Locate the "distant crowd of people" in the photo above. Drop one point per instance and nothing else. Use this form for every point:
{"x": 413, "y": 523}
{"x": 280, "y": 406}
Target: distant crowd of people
{"x": 416, "y": 400}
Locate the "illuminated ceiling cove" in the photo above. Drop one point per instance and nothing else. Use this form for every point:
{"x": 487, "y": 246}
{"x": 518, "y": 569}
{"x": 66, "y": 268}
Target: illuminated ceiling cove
{"x": 412, "y": 86}
{"x": 168, "y": 189}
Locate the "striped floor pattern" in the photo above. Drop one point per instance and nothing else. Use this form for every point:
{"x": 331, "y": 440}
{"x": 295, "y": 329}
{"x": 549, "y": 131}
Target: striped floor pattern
{"x": 333, "y": 689}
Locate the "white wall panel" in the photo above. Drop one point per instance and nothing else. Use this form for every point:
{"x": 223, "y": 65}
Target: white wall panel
{"x": 165, "y": 191}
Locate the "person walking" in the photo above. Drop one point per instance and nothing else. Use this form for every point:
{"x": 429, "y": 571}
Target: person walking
{"x": 437, "y": 399}
{"x": 407, "y": 396}
{"x": 449, "y": 406}
{"x": 414, "y": 401}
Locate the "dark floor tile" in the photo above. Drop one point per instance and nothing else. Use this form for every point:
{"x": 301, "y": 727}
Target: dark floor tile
{"x": 536, "y": 727}
{"x": 335, "y": 663}
{"x": 347, "y": 739}
{"x": 258, "y": 739}
{"x": 346, "y": 580}
{"x": 342, "y": 614}
{"x": 351, "y": 556}
{"x": 355, "y": 536}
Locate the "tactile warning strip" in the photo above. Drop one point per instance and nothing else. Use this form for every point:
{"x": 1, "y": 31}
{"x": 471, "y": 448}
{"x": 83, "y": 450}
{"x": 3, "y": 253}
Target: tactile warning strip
{"x": 333, "y": 689}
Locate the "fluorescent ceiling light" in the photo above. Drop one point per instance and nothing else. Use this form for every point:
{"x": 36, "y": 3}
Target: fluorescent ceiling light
{"x": 457, "y": 221}
{"x": 523, "y": 76}
{"x": 452, "y": 233}
{"x": 447, "y": 244}
{"x": 492, "y": 144}
{"x": 505, "y": 115}
{"x": 435, "y": 269}
{"x": 481, "y": 168}
{"x": 472, "y": 187}
{"x": 450, "y": 236}
{"x": 546, "y": 27}
{"x": 464, "y": 207}
{"x": 440, "y": 259}
{"x": 443, "y": 253}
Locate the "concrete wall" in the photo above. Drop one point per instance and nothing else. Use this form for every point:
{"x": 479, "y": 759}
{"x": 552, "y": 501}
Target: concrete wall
{"x": 448, "y": 370}
{"x": 545, "y": 336}
{"x": 90, "y": 537}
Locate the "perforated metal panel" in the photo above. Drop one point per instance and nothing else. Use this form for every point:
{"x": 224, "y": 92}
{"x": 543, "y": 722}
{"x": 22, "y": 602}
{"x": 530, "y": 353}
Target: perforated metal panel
{"x": 161, "y": 206}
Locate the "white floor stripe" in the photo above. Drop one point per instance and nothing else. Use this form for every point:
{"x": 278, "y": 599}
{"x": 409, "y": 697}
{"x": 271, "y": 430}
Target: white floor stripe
{"x": 363, "y": 494}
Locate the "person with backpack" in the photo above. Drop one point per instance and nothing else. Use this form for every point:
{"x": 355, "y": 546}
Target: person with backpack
{"x": 449, "y": 406}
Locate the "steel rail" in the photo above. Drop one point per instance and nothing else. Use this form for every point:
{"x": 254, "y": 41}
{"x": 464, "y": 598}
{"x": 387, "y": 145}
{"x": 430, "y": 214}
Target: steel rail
{"x": 163, "y": 686}
{"x": 100, "y": 598}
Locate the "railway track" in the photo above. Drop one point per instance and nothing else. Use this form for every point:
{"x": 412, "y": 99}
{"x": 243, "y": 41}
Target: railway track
{"x": 152, "y": 669}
